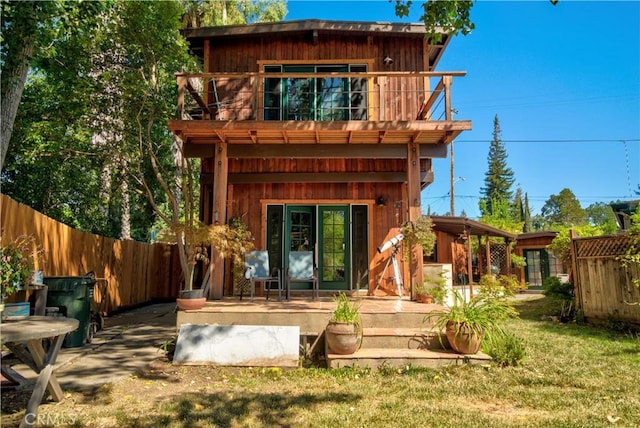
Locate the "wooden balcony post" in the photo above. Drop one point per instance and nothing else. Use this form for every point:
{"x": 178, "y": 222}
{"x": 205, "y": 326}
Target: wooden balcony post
{"x": 415, "y": 211}
{"x": 220, "y": 179}
{"x": 447, "y": 97}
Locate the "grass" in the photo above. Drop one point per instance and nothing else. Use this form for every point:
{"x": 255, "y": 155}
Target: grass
{"x": 573, "y": 376}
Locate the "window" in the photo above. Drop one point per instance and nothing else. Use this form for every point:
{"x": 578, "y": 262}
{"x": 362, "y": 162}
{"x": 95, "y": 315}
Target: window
{"x": 310, "y": 98}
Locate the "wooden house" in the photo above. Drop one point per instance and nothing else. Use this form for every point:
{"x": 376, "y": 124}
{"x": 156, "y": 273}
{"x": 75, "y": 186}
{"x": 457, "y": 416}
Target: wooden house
{"x": 541, "y": 261}
{"x": 318, "y": 135}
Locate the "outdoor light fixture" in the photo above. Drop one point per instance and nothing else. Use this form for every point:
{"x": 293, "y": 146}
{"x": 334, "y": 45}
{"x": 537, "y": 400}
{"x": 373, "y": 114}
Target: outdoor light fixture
{"x": 380, "y": 201}
{"x": 387, "y": 60}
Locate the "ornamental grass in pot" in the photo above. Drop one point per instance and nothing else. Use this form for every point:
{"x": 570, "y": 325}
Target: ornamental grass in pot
{"x": 343, "y": 334}
{"x": 470, "y": 322}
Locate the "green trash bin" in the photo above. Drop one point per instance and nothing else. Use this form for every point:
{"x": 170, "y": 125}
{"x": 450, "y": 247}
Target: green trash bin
{"x": 73, "y": 296}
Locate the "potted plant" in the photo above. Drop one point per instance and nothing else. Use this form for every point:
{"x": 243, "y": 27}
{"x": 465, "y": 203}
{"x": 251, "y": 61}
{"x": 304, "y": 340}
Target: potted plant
{"x": 343, "y": 334}
{"x": 470, "y": 322}
{"x": 432, "y": 290}
{"x": 232, "y": 240}
{"x": 418, "y": 232}
{"x": 16, "y": 267}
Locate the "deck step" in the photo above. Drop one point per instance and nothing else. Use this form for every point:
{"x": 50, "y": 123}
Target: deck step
{"x": 402, "y": 338}
{"x": 401, "y": 358}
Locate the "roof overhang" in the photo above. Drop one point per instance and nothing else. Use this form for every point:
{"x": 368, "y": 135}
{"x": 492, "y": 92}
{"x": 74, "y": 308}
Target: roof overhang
{"x": 210, "y": 132}
{"x": 465, "y": 226}
{"x": 196, "y": 36}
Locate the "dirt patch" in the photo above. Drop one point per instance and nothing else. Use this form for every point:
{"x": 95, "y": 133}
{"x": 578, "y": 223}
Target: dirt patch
{"x": 505, "y": 409}
{"x": 136, "y": 394}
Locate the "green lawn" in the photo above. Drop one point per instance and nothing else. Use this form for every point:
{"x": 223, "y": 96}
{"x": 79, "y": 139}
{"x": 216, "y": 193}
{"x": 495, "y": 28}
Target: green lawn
{"x": 572, "y": 376}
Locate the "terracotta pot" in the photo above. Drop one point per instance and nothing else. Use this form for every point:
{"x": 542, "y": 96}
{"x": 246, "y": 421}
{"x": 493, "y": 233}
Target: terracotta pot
{"x": 191, "y": 304}
{"x": 342, "y": 338}
{"x": 462, "y": 339}
{"x": 424, "y": 298}
{"x": 191, "y": 294}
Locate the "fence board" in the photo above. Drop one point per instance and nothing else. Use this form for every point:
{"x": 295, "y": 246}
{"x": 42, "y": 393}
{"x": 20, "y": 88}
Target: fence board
{"x": 605, "y": 287}
{"x": 136, "y": 272}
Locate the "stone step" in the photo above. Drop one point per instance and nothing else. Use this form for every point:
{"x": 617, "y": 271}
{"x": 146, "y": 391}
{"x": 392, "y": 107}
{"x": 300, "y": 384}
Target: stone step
{"x": 402, "y": 338}
{"x": 402, "y": 358}
{"x": 397, "y": 320}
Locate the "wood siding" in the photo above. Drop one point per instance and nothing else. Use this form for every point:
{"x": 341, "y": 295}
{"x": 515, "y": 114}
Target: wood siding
{"x": 389, "y": 99}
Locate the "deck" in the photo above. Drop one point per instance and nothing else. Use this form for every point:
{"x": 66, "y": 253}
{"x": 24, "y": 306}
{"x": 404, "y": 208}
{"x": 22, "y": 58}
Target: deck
{"x": 394, "y": 332}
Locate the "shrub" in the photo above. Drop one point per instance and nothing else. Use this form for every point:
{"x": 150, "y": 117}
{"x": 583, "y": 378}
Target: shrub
{"x": 500, "y": 285}
{"x": 555, "y": 289}
{"x": 506, "y": 349}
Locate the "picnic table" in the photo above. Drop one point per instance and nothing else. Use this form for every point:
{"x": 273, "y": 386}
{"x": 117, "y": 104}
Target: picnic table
{"x": 25, "y": 337}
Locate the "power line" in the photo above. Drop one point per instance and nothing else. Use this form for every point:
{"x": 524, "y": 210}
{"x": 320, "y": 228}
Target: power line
{"x": 622, "y": 140}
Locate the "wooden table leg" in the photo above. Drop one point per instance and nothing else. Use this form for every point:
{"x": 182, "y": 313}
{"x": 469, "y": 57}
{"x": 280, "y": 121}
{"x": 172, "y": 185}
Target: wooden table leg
{"x": 46, "y": 378}
{"x": 44, "y": 361}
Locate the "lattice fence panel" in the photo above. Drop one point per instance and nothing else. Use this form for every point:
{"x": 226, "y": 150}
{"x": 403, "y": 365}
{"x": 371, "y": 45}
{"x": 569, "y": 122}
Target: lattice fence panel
{"x": 499, "y": 256}
{"x": 602, "y": 246}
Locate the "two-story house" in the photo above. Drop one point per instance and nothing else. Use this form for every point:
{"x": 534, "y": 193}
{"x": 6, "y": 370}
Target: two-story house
{"x": 319, "y": 135}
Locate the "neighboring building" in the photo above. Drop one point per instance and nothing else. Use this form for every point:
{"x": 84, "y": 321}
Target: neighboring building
{"x": 471, "y": 247}
{"x": 623, "y": 212}
{"x": 541, "y": 262}
{"x": 318, "y": 135}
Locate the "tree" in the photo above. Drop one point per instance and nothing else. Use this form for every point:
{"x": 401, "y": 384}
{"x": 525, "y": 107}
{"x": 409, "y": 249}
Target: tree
{"x": 449, "y": 16}
{"x": 563, "y": 210}
{"x": 499, "y": 177}
{"x": 528, "y": 222}
{"x": 206, "y": 13}
{"x": 501, "y": 217}
{"x": 73, "y": 144}
{"x": 30, "y": 29}
{"x": 600, "y": 214}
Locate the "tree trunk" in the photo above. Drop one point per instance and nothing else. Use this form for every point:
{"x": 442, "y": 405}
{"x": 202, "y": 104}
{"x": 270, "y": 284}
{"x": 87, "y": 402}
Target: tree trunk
{"x": 125, "y": 218}
{"x": 12, "y": 89}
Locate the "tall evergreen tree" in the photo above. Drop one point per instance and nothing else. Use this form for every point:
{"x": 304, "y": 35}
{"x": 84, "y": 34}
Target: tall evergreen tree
{"x": 528, "y": 221}
{"x": 499, "y": 177}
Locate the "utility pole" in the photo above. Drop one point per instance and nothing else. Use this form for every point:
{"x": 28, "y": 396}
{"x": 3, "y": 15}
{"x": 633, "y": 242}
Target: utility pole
{"x": 451, "y": 172}
{"x": 453, "y": 181}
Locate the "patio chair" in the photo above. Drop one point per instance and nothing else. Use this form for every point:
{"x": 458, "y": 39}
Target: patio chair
{"x": 301, "y": 269}
{"x": 256, "y": 265}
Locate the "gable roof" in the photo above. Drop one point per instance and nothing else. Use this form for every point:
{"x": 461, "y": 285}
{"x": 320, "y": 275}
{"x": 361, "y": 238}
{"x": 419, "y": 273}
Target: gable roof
{"x": 196, "y": 36}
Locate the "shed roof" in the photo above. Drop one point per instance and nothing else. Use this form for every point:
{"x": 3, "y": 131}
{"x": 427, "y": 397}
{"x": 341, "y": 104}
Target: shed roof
{"x": 196, "y": 36}
{"x": 458, "y": 226}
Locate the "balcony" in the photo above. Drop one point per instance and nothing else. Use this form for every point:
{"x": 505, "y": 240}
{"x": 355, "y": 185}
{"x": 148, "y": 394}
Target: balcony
{"x": 350, "y": 108}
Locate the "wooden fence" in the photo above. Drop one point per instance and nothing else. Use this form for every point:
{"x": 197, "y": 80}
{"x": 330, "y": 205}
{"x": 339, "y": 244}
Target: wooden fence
{"x": 135, "y": 272}
{"x": 604, "y": 288}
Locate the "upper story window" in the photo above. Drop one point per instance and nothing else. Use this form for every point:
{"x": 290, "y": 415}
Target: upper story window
{"x": 322, "y": 98}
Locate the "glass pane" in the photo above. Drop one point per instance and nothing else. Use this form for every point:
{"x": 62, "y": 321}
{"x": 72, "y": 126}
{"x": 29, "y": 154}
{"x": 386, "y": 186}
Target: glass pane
{"x": 534, "y": 271}
{"x": 299, "y": 99}
{"x": 274, "y": 237}
{"x": 272, "y": 94}
{"x": 333, "y": 251}
{"x": 300, "y": 231}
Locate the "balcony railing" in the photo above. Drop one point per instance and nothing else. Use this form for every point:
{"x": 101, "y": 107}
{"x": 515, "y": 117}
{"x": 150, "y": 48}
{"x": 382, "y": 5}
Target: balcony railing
{"x": 371, "y": 96}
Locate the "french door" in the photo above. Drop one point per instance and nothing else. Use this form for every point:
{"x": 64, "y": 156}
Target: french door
{"x": 337, "y": 235}
{"x": 333, "y": 248}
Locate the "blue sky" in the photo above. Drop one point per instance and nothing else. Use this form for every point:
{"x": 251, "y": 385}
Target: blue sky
{"x": 564, "y": 81}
